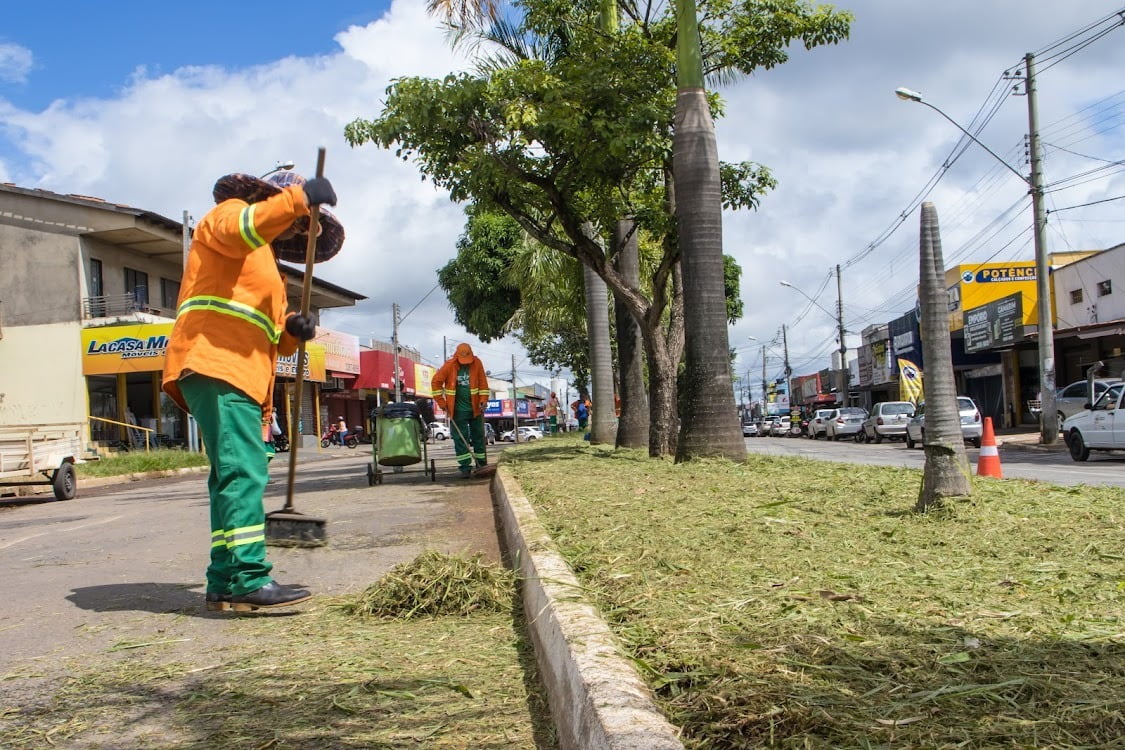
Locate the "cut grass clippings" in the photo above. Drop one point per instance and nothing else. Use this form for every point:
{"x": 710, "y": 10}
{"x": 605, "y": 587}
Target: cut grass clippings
{"x": 435, "y": 584}
{"x": 794, "y": 603}
{"x": 330, "y": 677}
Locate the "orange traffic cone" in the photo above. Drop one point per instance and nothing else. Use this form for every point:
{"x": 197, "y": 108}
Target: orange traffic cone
{"x": 988, "y": 464}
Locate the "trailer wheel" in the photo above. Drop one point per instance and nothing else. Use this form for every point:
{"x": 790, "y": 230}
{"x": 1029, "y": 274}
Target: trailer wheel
{"x": 433, "y": 471}
{"x": 370, "y": 475}
{"x": 65, "y": 482}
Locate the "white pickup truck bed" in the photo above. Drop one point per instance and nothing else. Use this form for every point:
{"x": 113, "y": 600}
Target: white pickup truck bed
{"x": 41, "y": 455}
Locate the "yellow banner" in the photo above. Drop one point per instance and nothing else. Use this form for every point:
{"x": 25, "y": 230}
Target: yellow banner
{"x": 139, "y": 347}
{"x": 973, "y": 286}
{"x": 423, "y": 377}
{"x": 910, "y": 382}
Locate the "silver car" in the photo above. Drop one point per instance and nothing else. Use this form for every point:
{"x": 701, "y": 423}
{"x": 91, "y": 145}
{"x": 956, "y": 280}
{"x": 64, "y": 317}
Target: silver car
{"x": 818, "y": 422}
{"x": 845, "y": 422}
{"x": 1074, "y": 397}
{"x": 888, "y": 420}
{"x": 971, "y": 425}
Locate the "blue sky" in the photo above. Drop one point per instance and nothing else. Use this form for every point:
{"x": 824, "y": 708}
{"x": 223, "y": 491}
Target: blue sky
{"x": 148, "y": 103}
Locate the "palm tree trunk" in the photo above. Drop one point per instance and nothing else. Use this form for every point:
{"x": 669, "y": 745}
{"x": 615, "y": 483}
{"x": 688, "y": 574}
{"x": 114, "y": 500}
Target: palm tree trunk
{"x": 709, "y": 418}
{"x": 632, "y": 425}
{"x": 947, "y": 470}
{"x": 603, "y": 421}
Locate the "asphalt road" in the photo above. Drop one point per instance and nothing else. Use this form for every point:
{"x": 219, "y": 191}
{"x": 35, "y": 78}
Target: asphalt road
{"x": 126, "y": 561}
{"x": 1017, "y": 462}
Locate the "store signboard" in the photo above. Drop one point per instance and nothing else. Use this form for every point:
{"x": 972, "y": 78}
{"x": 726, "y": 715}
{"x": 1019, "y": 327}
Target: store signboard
{"x": 314, "y": 364}
{"x": 341, "y": 350}
{"x": 140, "y": 347}
{"x": 974, "y": 286}
{"x": 995, "y": 324}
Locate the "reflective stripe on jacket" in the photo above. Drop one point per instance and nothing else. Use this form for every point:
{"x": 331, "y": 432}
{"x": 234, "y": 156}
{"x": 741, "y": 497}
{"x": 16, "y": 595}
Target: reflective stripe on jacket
{"x": 232, "y": 308}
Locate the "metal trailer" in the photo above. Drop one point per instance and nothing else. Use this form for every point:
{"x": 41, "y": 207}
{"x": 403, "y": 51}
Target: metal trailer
{"x": 42, "y": 454}
{"x": 399, "y": 442}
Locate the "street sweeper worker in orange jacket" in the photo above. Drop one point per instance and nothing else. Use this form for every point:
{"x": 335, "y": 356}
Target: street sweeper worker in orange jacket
{"x": 460, "y": 387}
{"x": 231, "y": 325}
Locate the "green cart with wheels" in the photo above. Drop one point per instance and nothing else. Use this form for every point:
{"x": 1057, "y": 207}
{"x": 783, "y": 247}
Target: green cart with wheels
{"x": 399, "y": 442}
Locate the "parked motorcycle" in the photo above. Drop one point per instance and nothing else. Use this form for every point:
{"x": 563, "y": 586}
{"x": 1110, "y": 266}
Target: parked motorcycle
{"x": 280, "y": 443}
{"x": 361, "y": 435}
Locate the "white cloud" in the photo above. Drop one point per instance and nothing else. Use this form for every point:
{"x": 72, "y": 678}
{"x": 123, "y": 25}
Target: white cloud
{"x": 15, "y": 63}
{"x": 849, "y": 157}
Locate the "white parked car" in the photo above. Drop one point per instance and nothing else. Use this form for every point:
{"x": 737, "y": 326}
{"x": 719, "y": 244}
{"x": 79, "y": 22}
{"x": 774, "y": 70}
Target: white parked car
{"x": 527, "y": 434}
{"x": 1101, "y": 427}
{"x": 1073, "y": 398}
{"x": 887, "y": 420}
{"x": 818, "y": 422}
{"x": 439, "y": 431}
{"x": 749, "y": 429}
{"x": 972, "y": 427}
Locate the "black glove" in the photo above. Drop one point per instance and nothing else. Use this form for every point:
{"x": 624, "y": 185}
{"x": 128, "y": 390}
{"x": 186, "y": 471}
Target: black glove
{"x": 300, "y": 327}
{"x": 319, "y": 190}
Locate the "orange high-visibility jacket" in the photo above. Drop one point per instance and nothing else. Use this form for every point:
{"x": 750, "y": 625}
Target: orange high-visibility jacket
{"x": 444, "y": 385}
{"x": 230, "y": 321}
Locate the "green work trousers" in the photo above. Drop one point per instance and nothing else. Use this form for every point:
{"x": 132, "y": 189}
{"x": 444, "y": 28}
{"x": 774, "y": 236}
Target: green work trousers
{"x": 231, "y": 423}
{"x": 468, "y": 427}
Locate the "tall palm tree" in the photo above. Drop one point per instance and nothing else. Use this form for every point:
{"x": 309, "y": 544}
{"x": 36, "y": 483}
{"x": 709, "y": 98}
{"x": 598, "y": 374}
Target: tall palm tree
{"x": 946, "y": 473}
{"x": 709, "y": 418}
{"x": 633, "y": 423}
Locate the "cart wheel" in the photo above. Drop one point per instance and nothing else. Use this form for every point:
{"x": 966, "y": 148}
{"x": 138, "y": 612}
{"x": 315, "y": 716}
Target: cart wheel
{"x": 433, "y": 471}
{"x": 370, "y": 475}
{"x": 65, "y": 482}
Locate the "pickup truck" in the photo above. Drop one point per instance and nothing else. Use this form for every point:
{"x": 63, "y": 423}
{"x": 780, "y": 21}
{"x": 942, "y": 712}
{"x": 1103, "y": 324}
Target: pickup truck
{"x": 1100, "y": 426}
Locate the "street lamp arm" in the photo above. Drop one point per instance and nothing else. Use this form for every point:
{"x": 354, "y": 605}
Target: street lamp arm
{"x": 913, "y": 96}
{"x": 810, "y": 299}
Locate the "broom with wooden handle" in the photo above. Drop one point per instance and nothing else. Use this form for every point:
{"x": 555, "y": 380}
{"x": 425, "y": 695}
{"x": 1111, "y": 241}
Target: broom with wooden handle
{"x": 287, "y": 527}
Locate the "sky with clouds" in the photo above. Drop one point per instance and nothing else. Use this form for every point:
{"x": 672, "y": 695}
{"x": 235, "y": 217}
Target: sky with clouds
{"x": 163, "y": 98}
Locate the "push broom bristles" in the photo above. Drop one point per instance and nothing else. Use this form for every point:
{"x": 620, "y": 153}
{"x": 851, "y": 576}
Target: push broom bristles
{"x": 291, "y": 529}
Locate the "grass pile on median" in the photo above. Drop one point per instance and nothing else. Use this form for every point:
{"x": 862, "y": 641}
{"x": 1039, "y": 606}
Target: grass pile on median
{"x": 798, "y": 603}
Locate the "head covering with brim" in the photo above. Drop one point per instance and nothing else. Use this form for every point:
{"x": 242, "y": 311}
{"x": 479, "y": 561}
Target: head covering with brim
{"x": 292, "y": 249}
{"x": 464, "y": 354}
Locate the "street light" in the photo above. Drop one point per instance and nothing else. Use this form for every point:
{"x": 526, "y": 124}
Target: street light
{"x": 842, "y": 375}
{"x": 1048, "y": 425}
{"x": 281, "y": 166}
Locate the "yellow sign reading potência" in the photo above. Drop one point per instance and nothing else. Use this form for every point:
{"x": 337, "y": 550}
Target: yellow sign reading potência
{"x": 974, "y": 286}
{"x": 141, "y": 347}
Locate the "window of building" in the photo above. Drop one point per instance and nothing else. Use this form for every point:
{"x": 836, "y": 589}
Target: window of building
{"x": 169, "y": 293}
{"x": 1075, "y": 296}
{"x": 136, "y": 283}
{"x": 1105, "y": 287}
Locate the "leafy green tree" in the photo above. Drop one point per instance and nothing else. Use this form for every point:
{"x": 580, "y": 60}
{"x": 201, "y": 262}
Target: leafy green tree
{"x": 587, "y": 138}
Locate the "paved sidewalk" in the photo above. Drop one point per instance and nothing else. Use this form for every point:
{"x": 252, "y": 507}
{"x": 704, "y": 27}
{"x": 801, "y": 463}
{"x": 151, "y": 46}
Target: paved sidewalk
{"x": 1027, "y": 438}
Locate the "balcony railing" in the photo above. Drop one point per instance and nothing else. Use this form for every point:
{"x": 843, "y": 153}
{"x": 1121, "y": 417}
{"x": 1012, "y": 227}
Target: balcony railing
{"x": 112, "y": 305}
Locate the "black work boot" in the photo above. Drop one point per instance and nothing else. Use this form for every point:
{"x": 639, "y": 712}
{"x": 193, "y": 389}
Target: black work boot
{"x": 271, "y": 595}
{"x": 217, "y": 602}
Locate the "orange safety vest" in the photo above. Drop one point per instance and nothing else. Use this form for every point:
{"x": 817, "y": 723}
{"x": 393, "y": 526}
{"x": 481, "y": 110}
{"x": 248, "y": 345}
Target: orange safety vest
{"x": 444, "y": 385}
{"x": 230, "y": 321}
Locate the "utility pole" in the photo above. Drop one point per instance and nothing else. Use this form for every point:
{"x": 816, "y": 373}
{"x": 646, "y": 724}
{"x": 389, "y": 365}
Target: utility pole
{"x": 765, "y": 385}
{"x": 1048, "y": 425}
{"x": 394, "y": 344}
{"x": 788, "y": 372}
{"x": 515, "y": 405}
{"x": 444, "y": 349}
{"x": 842, "y": 377}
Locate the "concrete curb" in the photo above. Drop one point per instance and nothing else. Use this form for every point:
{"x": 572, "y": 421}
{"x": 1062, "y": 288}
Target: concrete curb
{"x": 597, "y": 698}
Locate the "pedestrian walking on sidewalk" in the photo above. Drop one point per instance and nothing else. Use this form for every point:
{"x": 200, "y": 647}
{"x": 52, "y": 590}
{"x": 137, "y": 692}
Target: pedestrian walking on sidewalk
{"x": 231, "y": 325}
{"x": 460, "y": 388}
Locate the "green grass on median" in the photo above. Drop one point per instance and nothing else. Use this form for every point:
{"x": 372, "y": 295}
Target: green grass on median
{"x": 794, "y": 603}
{"x": 133, "y": 462}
